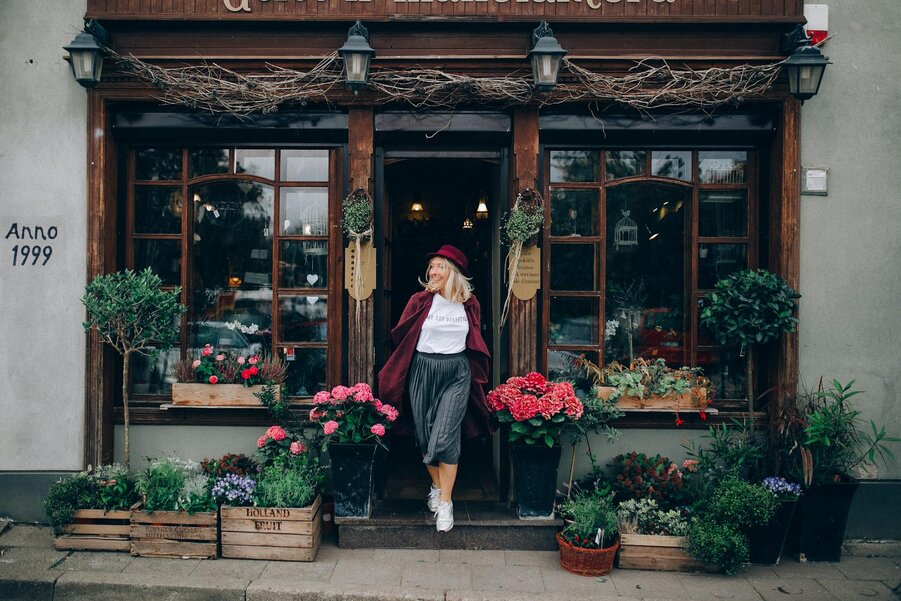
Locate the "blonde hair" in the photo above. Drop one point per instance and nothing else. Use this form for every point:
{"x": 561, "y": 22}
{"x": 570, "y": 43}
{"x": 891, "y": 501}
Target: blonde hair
{"x": 458, "y": 287}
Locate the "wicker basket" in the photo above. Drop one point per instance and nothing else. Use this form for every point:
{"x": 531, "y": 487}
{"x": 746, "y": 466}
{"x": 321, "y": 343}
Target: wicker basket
{"x": 586, "y": 562}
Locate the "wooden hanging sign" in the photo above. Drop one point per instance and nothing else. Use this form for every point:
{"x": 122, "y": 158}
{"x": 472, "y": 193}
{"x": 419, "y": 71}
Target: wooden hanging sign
{"x": 528, "y": 274}
{"x": 366, "y": 265}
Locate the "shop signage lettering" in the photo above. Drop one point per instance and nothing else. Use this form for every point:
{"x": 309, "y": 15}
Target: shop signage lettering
{"x": 267, "y": 525}
{"x": 247, "y": 5}
{"x": 23, "y": 252}
{"x": 265, "y": 512}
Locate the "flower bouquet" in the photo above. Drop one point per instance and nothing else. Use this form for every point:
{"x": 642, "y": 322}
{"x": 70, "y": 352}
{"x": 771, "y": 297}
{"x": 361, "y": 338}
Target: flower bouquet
{"x": 352, "y": 415}
{"x": 537, "y": 409}
{"x": 237, "y": 378}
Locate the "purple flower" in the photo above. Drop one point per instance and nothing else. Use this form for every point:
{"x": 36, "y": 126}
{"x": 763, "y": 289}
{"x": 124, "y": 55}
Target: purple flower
{"x": 782, "y": 488}
{"x": 233, "y": 489}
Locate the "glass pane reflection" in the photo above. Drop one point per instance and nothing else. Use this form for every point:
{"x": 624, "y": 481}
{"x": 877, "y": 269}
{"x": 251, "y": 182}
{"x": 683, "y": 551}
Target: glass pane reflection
{"x": 723, "y": 213}
{"x": 726, "y": 370}
{"x": 304, "y": 166}
{"x": 303, "y": 211}
{"x": 718, "y": 261}
{"x": 307, "y": 373}
{"x": 152, "y": 376}
{"x": 303, "y": 318}
{"x": 574, "y": 212}
{"x": 675, "y": 164}
{"x": 573, "y": 321}
{"x": 574, "y": 166}
{"x": 207, "y": 161}
{"x": 723, "y": 167}
{"x": 304, "y": 264}
{"x": 158, "y": 164}
{"x": 563, "y": 366}
{"x": 163, "y": 257}
{"x": 624, "y": 163}
{"x": 255, "y": 161}
{"x": 573, "y": 267}
{"x": 158, "y": 210}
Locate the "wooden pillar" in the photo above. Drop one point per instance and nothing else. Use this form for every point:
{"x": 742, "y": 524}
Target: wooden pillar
{"x": 786, "y": 250}
{"x": 523, "y": 319}
{"x": 360, "y": 341}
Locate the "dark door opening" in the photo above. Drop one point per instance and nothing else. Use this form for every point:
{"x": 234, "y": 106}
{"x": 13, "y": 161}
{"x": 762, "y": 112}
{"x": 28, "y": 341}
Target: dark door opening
{"x": 429, "y": 202}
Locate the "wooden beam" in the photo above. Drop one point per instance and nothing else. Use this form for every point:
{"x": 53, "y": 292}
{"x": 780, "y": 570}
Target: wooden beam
{"x": 360, "y": 341}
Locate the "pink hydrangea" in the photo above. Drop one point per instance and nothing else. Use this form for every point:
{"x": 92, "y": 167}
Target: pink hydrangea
{"x": 315, "y": 414}
{"x": 253, "y": 360}
{"x": 389, "y": 412}
{"x": 196, "y": 363}
{"x": 341, "y": 392}
{"x": 261, "y": 442}
{"x": 378, "y": 430}
{"x": 329, "y": 427}
{"x": 275, "y": 433}
{"x": 241, "y": 360}
{"x": 363, "y": 395}
{"x": 321, "y": 397}
{"x": 297, "y": 448}
{"x": 207, "y": 351}
{"x": 213, "y": 379}
{"x": 220, "y": 357}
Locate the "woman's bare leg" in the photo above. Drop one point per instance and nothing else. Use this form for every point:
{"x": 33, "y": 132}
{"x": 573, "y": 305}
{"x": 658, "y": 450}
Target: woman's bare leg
{"x": 433, "y": 472}
{"x": 447, "y": 476}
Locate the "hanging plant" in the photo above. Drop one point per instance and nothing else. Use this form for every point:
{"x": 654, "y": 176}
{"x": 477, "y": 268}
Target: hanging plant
{"x": 519, "y": 227}
{"x": 356, "y": 218}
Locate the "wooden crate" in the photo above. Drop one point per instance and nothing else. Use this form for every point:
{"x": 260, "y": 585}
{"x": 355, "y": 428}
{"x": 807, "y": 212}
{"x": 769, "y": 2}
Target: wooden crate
{"x": 288, "y": 534}
{"x": 96, "y": 530}
{"x": 655, "y": 552}
{"x": 174, "y": 534}
{"x": 695, "y": 399}
{"x": 216, "y": 395}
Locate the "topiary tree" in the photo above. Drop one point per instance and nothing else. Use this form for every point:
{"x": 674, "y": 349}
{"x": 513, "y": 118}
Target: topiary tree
{"x": 133, "y": 315}
{"x": 748, "y": 308}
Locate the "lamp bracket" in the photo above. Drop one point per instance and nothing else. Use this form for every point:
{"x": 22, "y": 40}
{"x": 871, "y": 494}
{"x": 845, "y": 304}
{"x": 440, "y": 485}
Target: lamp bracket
{"x": 542, "y": 31}
{"x": 794, "y": 39}
{"x": 358, "y": 29}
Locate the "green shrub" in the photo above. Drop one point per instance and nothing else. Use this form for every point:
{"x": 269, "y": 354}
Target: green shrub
{"x": 172, "y": 485}
{"x": 67, "y": 496}
{"x": 742, "y": 504}
{"x": 292, "y": 481}
{"x": 642, "y": 516}
{"x": 590, "y": 520}
{"x": 717, "y": 545}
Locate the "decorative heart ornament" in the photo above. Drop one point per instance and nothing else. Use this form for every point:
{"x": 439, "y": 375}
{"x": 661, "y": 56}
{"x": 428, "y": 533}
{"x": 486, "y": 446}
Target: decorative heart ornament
{"x": 312, "y": 299}
{"x": 312, "y": 278}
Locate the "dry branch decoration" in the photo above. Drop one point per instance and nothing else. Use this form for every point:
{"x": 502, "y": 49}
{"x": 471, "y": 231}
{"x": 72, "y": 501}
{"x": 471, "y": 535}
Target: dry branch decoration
{"x": 520, "y": 226}
{"x": 650, "y": 84}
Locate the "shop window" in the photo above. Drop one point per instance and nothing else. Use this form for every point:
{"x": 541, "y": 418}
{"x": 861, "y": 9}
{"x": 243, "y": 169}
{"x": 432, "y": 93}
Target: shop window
{"x": 630, "y": 255}
{"x": 256, "y": 274}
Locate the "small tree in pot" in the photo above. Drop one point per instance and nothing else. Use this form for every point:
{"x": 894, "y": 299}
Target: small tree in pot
{"x": 132, "y": 314}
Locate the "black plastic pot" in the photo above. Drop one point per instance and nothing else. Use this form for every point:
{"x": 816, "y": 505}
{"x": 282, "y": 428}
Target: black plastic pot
{"x": 352, "y": 468}
{"x": 766, "y": 542}
{"x": 823, "y": 515}
{"x": 535, "y": 471}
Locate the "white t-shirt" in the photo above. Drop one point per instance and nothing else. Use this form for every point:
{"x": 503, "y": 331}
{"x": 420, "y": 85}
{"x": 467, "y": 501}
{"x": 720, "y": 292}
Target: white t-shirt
{"x": 444, "y": 330}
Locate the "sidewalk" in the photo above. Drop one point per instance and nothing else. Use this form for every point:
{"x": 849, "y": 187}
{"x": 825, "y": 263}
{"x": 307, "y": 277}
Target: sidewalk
{"x": 31, "y": 570}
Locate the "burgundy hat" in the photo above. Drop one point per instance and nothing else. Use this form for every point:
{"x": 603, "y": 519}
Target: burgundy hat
{"x": 454, "y": 255}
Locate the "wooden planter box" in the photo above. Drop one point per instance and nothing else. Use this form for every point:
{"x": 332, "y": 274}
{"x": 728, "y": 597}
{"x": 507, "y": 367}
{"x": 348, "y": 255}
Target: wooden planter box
{"x": 655, "y": 552}
{"x": 695, "y": 399}
{"x": 96, "y": 530}
{"x": 290, "y": 534}
{"x": 216, "y": 395}
{"x": 174, "y": 534}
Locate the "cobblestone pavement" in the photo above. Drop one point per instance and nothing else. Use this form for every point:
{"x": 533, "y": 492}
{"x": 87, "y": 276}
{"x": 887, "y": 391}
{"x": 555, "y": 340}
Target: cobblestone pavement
{"x": 30, "y": 569}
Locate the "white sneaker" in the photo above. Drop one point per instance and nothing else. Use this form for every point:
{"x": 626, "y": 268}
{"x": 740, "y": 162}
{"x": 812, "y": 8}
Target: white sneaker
{"x": 445, "y": 519}
{"x": 434, "y": 499}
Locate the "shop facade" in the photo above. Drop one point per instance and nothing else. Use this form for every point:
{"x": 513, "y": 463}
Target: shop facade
{"x": 645, "y": 208}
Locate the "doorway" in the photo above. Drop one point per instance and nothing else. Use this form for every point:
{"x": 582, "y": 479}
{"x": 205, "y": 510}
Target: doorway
{"x": 428, "y": 201}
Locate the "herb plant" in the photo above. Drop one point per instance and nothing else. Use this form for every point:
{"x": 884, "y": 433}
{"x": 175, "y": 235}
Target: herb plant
{"x": 642, "y": 378}
{"x": 717, "y": 545}
{"x": 172, "y": 484}
{"x": 291, "y": 481}
{"x": 590, "y": 520}
{"x": 357, "y": 213}
{"x": 643, "y": 516}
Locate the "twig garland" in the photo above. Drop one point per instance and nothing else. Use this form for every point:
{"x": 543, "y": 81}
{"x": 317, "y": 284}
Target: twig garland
{"x": 522, "y": 223}
{"x": 650, "y": 84}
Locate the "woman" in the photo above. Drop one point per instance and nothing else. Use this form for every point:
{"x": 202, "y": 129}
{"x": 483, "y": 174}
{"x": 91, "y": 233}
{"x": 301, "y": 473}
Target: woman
{"x": 441, "y": 361}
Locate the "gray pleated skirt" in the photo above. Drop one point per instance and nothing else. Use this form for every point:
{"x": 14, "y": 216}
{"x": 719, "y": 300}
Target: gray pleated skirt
{"x": 439, "y": 391}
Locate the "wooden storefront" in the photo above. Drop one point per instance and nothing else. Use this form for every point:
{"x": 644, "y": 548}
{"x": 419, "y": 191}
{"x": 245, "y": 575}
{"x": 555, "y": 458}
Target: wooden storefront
{"x": 594, "y": 158}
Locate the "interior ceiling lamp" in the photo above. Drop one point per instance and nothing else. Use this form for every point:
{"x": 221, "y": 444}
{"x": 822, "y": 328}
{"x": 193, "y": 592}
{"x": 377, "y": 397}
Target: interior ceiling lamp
{"x": 357, "y": 55}
{"x": 805, "y": 66}
{"x": 482, "y": 209}
{"x": 86, "y": 54}
{"x": 468, "y": 224}
{"x": 416, "y": 208}
{"x": 545, "y": 56}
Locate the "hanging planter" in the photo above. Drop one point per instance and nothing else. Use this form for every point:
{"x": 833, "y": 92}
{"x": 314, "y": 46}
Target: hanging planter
{"x": 520, "y": 227}
{"x": 356, "y": 218}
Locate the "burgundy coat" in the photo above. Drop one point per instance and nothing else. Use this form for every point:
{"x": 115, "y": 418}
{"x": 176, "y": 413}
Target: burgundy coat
{"x": 393, "y": 376}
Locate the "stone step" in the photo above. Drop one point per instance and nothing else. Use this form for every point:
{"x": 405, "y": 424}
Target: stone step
{"x": 407, "y": 524}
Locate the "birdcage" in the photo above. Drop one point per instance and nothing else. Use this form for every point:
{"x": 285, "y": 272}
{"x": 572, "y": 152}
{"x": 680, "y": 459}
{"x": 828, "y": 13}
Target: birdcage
{"x": 625, "y": 233}
{"x": 314, "y": 221}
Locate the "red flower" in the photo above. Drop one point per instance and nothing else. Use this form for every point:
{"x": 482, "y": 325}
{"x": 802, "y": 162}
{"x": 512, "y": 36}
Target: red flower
{"x": 679, "y": 420}
{"x": 703, "y": 415}
{"x": 213, "y": 379}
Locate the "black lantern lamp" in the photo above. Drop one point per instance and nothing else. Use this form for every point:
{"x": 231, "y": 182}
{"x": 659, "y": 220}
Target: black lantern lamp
{"x": 545, "y": 56}
{"x": 805, "y": 66}
{"x": 357, "y": 55}
{"x": 86, "y": 54}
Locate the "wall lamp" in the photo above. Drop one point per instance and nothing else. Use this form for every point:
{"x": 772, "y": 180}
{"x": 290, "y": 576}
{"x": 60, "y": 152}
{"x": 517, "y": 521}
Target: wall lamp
{"x": 546, "y": 55}
{"x": 357, "y": 55}
{"x": 86, "y": 54}
{"x": 805, "y": 66}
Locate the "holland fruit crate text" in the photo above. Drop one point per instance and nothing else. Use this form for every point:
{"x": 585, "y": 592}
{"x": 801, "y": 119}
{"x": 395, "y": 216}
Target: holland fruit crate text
{"x": 280, "y": 533}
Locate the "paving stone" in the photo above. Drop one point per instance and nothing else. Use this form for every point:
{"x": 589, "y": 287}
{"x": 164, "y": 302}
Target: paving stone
{"x": 519, "y": 596}
{"x": 791, "y": 590}
{"x": 524, "y": 579}
{"x": 241, "y": 569}
{"x": 543, "y": 559}
{"x": 864, "y": 548}
{"x": 557, "y": 580}
{"x": 316, "y": 571}
{"x": 36, "y": 558}
{"x": 96, "y": 561}
{"x": 22, "y": 535}
{"x": 28, "y": 585}
{"x": 869, "y": 568}
{"x": 4, "y": 524}
{"x": 818, "y": 570}
{"x": 109, "y": 586}
{"x": 162, "y": 566}
{"x": 274, "y": 590}
{"x": 367, "y": 572}
{"x": 847, "y": 590}
{"x": 390, "y": 555}
{"x": 708, "y": 587}
{"x": 493, "y": 558}
{"x": 436, "y": 576}
{"x": 644, "y": 584}
{"x": 333, "y": 553}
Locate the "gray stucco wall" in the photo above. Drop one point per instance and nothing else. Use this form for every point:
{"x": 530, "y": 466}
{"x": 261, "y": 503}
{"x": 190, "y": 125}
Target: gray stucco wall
{"x": 850, "y": 244}
{"x": 42, "y": 183}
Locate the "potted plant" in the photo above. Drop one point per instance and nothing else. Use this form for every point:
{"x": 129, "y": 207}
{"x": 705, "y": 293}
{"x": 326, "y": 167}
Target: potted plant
{"x": 354, "y": 425}
{"x": 132, "y": 314}
{"x": 275, "y": 514}
{"x": 652, "y": 538}
{"x": 177, "y": 515}
{"x": 588, "y": 541}
{"x": 537, "y": 411}
{"x": 749, "y": 308}
{"x": 225, "y": 379}
{"x": 823, "y": 440}
{"x": 766, "y": 541}
{"x": 640, "y": 476}
{"x": 90, "y": 510}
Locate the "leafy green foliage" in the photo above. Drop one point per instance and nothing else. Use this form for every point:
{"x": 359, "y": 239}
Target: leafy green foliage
{"x": 716, "y": 544}
{"x": 590, "y": 519}
{"x": 735, "y": 450}
{"x": 172, "y": 485}
{"x": 643, "y": 516}
{"x": 638, "y": 476}
{"x": 68, "y": 495}
{"x": 115, "y": 486}
{"x": 742, "y": 504}
{"x": 522, "y": 222}
{"x": 292, "y": 481}
{"x": 643, "y": 378}
{"x": 357, "y": 213}
{"x": 750, "y": 307}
